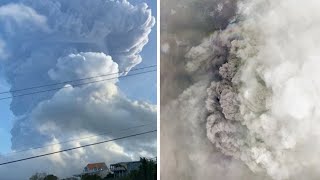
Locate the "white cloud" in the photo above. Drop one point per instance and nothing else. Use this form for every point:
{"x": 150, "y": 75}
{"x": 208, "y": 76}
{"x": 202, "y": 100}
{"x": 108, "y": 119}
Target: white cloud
{"x": 75, "y": 66}
{"x": 93, "y": 107}
{"x": 21, "y": 15}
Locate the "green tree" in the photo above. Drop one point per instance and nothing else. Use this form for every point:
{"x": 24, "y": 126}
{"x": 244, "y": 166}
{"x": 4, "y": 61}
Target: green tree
{"x": 38, "y": 176}
{"x": 146, "y": 171}
{"x": 109, "y": 176}
{"x": 51, "y": 177}
{"x": 90, "y": 177}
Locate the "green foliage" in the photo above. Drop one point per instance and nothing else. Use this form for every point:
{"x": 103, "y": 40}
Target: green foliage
{"x": 109, "y": 176}
{"x": 51, "y": 177}
{"x": 43, "y": 176}
{"x": 146, "y": 171}
{"x": 38, "y": 176}
{"x": 90, "y": 177}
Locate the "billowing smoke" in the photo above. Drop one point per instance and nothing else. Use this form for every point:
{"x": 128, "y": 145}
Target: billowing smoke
{"x": 52, "y": 41}
{"x": 260, "y": 102}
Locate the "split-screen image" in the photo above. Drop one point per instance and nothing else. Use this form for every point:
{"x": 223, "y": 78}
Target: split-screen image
{"x": 159, "y": 89}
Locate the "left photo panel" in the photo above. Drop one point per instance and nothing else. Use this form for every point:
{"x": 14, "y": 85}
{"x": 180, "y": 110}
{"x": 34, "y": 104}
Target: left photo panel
{"x": 78, "y": 89}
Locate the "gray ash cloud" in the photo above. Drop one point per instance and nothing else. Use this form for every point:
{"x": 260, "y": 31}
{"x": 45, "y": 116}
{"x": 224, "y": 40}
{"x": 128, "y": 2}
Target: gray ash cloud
{"x": 253, "y": 81}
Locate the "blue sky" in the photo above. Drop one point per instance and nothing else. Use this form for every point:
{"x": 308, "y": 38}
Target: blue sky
{"x": 6, "y": 120}
{"x": 142, "y": 87}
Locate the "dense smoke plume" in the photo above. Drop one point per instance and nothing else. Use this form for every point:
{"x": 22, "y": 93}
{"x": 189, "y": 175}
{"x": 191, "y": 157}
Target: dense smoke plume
{"x": 257, "y": 101}
{"x": 52, "y": 41}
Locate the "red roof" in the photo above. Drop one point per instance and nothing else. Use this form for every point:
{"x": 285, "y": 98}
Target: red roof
{"x": 96, "y": 165}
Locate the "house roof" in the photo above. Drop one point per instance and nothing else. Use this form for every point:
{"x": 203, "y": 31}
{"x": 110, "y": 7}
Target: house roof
{"x": 96, "y": 165}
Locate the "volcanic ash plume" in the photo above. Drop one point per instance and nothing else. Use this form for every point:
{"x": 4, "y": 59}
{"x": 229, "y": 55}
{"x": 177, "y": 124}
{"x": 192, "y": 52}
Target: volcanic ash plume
{"x": 263, "y": 109}
{"x": 262, "y": 99}
{"x": 52, "y": 41}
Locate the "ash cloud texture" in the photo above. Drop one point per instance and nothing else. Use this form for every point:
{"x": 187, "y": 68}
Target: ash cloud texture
{"x": 261, "y": 94}
{"x": 51, "y": 40}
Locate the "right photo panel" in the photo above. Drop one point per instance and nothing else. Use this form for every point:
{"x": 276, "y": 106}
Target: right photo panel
{"x": 240, "y": 90}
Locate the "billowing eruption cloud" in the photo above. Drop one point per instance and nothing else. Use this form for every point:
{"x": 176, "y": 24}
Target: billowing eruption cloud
{"x": 52, "y": 41}
{"x": 259, "y": 100}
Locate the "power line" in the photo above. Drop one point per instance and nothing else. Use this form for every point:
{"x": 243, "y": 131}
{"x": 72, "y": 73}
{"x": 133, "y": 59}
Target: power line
{"x": 70, "y": 149}
{"x": 74, "y": 85}
{"x": 72, "y": 140}
{"x": 70, "y": 81}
